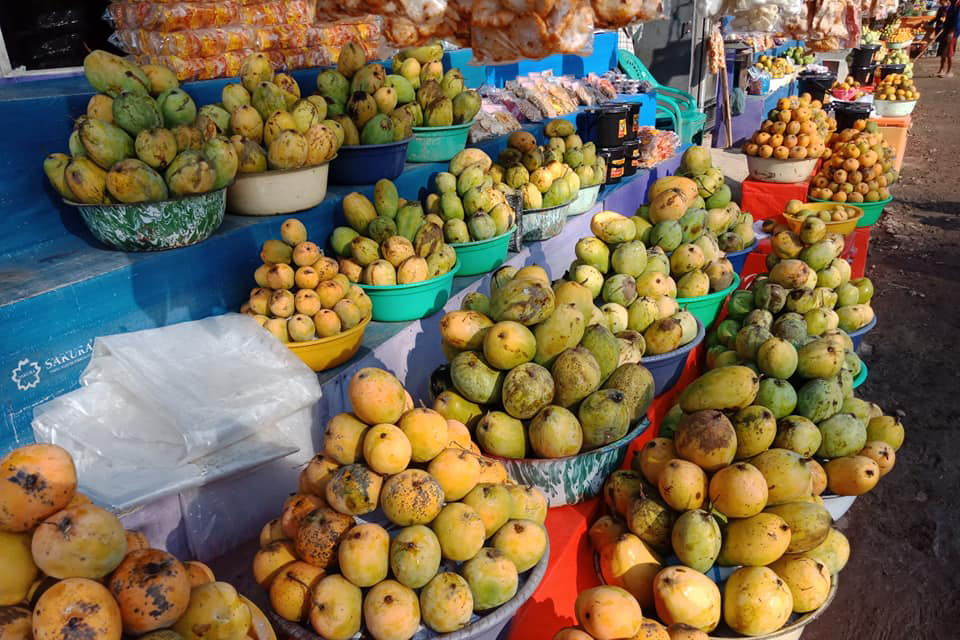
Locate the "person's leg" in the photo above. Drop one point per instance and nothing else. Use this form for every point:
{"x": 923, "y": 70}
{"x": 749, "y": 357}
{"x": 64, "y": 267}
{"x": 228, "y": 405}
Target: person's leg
{"x": 942, "y": 51}
{"x": 950, "y": 51}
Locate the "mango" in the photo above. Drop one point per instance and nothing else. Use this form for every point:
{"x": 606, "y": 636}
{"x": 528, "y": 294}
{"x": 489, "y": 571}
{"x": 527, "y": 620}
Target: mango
{"x": 391, "y": 611}
{"x": 104, "y": 143}
{"x": 798, "y": 434}
{"x": 612, "y": 227}
{"x": 363, "y": 554}
{"x": 235, "y": 95}
{"x": 754, "y": 541}
{"x": 523, "y": 542}
{"x": 475, "y": 379}
{"x": 133, "y": 181}
{"x": 112, "y": 75}
{"x": 353, "y": 489}
{"x": 696, "y": 539}
{"x": 177, "y": 108}
{"x": 756, "y": 601}
{"x": 156, "y": 147}
{"x": 887, "y": 429}
{"x": 706, "y": 438}
{"x": 833, "y": 552}
{"x": 809, "y": 524}
{"x": 808, "y": 580}
{"x": 492, "y": 578}
{"x": 222, "y": 156}
{"x": 852, "y": 476}
{"x": 335, "y": 610}
{"x": 555, "y": 432}
{"x": 651, "y": 521}
{"x": 593, "y": 252}
{"x": 682, "y": 485}
{"x": 501, "y": 435}
{"x": 576, "y": 375}
{"x": 819, "y": 399}
{"x": 189, "y": 174}
{"x": 411, "y": 497}
{"x": 684, "y": 596}
{"x": 788, "y": 477}
{"x": 446, "y": 603}
{"x": 608, "y": 613}
{"x": 414, "y": 556}
{"x": 561, "y": 331}
{"x": 604, "y": 418}
{"x": 732, "y": 387}
{"x": 527, "y": 388}
{"x": 738, "y": 491}
{"x": 777, "y": 395}
{"x": 267, "y": 98}
{"x": 134, "y": 112}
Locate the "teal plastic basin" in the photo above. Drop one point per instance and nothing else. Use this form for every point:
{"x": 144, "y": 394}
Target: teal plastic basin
{"x": 871, "y": 210}
{"x": 405, "y": 302}
{"x": 482, "y": 256}
{"x": 437, "y": 144}
{"x": 706, "y": 308}
{"x": 862, "y": 376}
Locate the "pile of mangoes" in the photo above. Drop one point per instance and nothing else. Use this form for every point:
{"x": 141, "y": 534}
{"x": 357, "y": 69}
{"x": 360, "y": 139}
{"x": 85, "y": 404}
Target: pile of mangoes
{"x": 677, "y": 215}
{"x": 541, "y": 174}
{"x": 857, "y": 166}
{"x": 301, "y": 294}
{"x": 535, "y": 371}
{"x": 373, "y": 107}
{"x": 69, "y": 566}
{"x": 390, "y": 241}
{"x": 795, "y": 130}
{"x": 141, "y": 140}
{"x": 456, "y": 539}
{"x": 270, "y": 125}
{"x": 470, "y": 197}
{"x": 634, "y": 285}
{"x": 733, "y": 482}
{"x": 897, "y": 86}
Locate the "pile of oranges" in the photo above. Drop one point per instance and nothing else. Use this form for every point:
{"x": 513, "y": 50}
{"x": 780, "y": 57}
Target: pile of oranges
{"x": 857, "y": 167}
{"x": 897, "y": 87}
{"x": 795, "y": 130}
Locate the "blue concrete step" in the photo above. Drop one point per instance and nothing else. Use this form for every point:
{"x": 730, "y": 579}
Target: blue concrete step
{"x": 59, "y": 288}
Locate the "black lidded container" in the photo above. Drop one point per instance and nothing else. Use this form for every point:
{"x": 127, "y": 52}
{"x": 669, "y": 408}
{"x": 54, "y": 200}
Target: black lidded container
{"x": 631, "y": 157}
{"x": 633, "y": 119}
{"x": 816, "y": 84}
{"x": 613, "y": 125}
{"x": 616, "y": 163}
{"x": 864, "y": 54}
{"x": 864, "y": 75}
{"x": 888, "y": 69}
{"x": 847, "y": 113}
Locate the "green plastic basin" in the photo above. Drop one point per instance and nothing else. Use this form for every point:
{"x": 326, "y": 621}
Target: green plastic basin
{"x": 404, "y": 302}
{"x": 706, "y": 308}
{"x": 437, "y": 144}
{"x": 482, "y": 256}
{"x": 871, "y": 210}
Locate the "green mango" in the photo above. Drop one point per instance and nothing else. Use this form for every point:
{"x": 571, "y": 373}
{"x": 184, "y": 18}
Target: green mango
{"x": 409, "y": 219}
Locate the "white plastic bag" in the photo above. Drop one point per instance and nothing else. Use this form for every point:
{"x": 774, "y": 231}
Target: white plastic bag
{"x": 163, "y": 398}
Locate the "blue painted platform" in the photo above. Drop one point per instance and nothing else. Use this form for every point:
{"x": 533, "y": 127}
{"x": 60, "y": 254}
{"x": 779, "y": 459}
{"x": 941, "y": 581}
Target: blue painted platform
{"x": 59, "y": 288}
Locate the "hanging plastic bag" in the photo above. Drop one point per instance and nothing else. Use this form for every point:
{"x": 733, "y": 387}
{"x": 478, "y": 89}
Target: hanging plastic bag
{"x": 162, "y": 398}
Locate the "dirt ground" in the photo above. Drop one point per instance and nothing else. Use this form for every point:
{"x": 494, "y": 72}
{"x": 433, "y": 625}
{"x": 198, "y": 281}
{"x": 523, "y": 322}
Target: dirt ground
{"x": 902, "y": 581}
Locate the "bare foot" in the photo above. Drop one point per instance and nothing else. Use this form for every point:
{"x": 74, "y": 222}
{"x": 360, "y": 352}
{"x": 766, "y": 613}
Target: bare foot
{"x": 950, "y": 75}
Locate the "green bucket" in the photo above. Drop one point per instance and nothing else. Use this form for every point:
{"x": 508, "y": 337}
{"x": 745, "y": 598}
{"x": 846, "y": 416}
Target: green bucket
{"x": 404, "y": 302}
{"x": 706, "y": 308}
{"x": 437, "y": 144}
{"x": 482, "y": 256}
{"x": 871, "y": 210}
{"x": 862, "y": 376}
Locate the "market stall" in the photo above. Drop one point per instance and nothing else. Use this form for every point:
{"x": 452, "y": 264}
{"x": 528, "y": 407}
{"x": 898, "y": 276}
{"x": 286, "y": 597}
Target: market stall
{"x": 438, "y": 347}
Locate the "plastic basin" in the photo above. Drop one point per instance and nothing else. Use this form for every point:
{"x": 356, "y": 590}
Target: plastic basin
{"x": 576, "y": 478}
{"x": 403, "y": 302}
{"x": 871, "y": 210}
{"x": 586, "y": 198}
{"x": 437, "y": 144}
{"x": 277, "y": 192}
{"x": 857, "y": 336}
{"x": 739, "y": 258}
{"x": 843, "y": 227}
{"x": 482, "y": 256}
{"x": 894, "y": 108}
{"x": 541, "y": 224}
{"x": 155, "y": 226}
{"x": 862, "y": 376}
{"x": 705, "y": 308}
{"x": 367, "y": 163}
{"x": 898, "y": 45}
{"x": 837, "y": 505}
{"x": 781, "y": 171}
{"x": 327, "y": 353}
{"x": 488, "y": 626}
{"x": 667, "y": 367}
